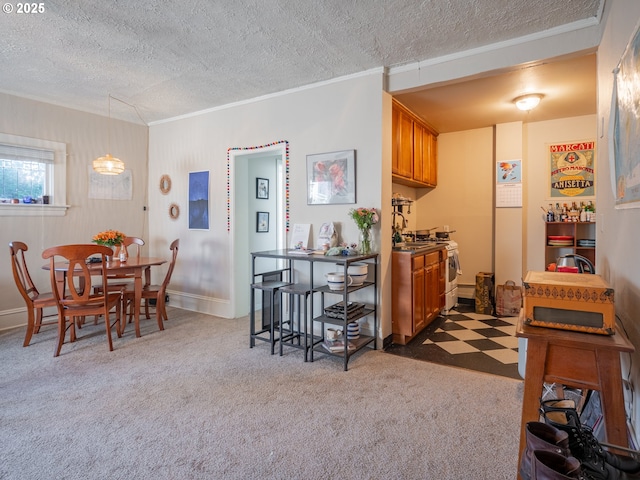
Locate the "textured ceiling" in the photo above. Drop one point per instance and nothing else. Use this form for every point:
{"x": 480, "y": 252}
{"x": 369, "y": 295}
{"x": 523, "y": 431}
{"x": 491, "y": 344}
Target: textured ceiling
{"x": 172, "y": 58}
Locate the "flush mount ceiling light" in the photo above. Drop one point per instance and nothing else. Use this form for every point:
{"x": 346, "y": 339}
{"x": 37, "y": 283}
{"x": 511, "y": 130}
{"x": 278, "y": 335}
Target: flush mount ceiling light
{"x": 527, "y": 102}
{"x": 108, "y": 165}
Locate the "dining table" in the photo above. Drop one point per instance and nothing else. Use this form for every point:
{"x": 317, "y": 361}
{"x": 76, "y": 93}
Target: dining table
{"x": 132, "y": 266}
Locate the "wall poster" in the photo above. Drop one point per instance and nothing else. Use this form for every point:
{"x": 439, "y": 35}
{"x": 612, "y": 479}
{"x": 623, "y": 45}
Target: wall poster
{"x": 572, "y": 169}
{"x": 626, "y": 126}
{"x": 199, "y": 200}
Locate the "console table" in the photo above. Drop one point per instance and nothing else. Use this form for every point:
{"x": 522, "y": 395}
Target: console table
{"x": 580, "y": 360}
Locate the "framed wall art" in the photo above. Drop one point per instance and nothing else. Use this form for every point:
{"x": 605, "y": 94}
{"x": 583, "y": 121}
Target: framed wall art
{"x": 262, "y": 222}
{"x": 624, "y": 126}
{"x": 199, "y": 200}
{"x": 331, "y": 178}
{"x": 262, "y": 188}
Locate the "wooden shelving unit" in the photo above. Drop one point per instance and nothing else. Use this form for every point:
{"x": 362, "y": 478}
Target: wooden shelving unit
{"x": 576, "y": 230}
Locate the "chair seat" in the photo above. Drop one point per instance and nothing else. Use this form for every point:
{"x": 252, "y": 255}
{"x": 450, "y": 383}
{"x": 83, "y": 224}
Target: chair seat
{"x": 42, "y": 300}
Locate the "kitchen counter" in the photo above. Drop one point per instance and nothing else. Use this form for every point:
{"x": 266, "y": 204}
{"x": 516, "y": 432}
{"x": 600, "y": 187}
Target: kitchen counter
{"x": 419, "y": 248}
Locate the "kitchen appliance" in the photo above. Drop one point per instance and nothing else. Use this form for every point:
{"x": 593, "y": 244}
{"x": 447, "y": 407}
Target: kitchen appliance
{"x": 452, "y": 265}
{"x": 574, "y": 263}
{"x": 452, "y": 271}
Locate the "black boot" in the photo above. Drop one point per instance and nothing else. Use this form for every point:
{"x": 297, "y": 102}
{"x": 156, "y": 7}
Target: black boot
{"x": 540, "y": 436}
{"x": 584, "y": 446}
{"x": 548, "y": 465}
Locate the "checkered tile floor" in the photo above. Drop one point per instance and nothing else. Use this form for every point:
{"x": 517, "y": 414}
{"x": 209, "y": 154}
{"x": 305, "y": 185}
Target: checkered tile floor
{"x": 468, "y": 340}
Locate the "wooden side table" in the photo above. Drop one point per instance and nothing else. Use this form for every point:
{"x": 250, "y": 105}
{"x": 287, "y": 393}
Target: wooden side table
{"x": 576, "y": 359}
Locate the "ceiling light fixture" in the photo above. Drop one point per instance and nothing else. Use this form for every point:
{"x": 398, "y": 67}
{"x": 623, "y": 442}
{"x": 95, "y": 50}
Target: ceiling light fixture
{"x": 527, "y": 102}
{"x": 108, "y": 165}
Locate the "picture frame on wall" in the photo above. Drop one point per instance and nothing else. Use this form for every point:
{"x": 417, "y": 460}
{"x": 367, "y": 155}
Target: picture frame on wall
{"x": 262, "y": 188}
{"x": 199, "y": 200}
{"x": 262, "y": 222}
{"x": 331, "y": 178}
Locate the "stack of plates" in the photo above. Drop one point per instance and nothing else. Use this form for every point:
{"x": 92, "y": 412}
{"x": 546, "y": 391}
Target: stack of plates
{"x": 560, "y": 241}
{"x": 586, "y": 243}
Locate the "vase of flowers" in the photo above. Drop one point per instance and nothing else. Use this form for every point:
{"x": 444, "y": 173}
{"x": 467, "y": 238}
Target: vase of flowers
{"x": 365, "y": 218}
{"x": 109, "y": 238}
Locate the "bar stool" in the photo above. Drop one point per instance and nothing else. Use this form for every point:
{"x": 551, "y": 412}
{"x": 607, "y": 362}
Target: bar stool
{"x": 299, "y": 292}
{"x": 272, "y": 287}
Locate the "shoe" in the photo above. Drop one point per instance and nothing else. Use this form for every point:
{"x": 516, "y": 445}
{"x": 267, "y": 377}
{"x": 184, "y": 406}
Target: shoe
{"x": 547, "y": 465}
{"x": 583, "y": 445}
{"x": 540, "y": 436}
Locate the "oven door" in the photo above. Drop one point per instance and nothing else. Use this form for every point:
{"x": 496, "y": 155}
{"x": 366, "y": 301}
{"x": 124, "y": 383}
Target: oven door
{"x": 452, "y": 270}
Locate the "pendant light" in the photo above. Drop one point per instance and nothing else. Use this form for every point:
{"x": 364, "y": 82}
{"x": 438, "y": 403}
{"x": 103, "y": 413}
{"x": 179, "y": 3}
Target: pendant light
{"x": 108, "y": 165}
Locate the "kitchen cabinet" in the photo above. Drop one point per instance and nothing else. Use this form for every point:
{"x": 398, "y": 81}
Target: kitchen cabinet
{"x": 414, "y": 156}
{"x": 418, "y": 291}
{"x": 577, "y": 231}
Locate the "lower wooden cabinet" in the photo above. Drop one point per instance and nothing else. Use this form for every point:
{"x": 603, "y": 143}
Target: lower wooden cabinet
{"x": 417, "y": 292}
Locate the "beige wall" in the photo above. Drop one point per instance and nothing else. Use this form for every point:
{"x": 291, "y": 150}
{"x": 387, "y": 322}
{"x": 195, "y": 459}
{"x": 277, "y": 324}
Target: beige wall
{"x": 538, "y": 136}
{"x": 464, "y": 197}
{"x": 86, "y": 138}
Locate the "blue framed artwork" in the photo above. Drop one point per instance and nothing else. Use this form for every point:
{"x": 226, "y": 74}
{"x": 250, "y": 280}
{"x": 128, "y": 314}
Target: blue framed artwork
{"x": 199, "y": 200}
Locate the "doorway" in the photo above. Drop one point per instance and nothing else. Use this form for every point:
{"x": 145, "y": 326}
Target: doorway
{"x": 257, "y": 203}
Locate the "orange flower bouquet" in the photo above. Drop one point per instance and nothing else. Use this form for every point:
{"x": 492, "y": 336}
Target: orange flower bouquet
{"x": 109, "y": 238}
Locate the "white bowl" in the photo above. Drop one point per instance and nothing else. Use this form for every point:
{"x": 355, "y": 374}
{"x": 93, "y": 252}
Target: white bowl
{"x": 358, "y": 269}
{"x": 336, "y": 285}
{"x": 358, "y": 279}
{"x": 335, "y": 277}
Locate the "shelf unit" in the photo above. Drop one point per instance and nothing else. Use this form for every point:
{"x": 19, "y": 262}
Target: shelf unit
{"x": 326, "y": 296}
{"x": 577, "y": 230}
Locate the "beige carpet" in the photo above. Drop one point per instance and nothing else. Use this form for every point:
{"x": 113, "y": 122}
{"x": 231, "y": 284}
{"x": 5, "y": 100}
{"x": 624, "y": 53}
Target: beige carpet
{"x": 195, "y": 402}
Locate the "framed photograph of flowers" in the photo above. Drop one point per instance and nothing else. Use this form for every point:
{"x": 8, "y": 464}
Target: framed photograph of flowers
{"x": 331, "y": 178}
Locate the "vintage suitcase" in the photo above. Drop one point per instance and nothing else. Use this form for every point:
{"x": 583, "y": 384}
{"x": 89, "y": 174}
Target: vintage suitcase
{"x": 581, "y": 302}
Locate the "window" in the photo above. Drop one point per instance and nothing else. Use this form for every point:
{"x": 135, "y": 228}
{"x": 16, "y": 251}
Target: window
{"x": 30, "y": 169}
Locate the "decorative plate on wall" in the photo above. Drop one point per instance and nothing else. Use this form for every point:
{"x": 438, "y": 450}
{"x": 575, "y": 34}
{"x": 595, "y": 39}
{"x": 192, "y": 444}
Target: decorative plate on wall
{"x": 174, "y": 211}
{"x": 165, "y": 184}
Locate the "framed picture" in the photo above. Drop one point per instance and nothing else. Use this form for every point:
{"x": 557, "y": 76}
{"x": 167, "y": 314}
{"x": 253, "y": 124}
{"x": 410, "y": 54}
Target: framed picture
{"x": 331, "y": 178}
{"x": 262, "y": 222}
{"x": 262, "y": 188}
{"x": 199, "y": 200}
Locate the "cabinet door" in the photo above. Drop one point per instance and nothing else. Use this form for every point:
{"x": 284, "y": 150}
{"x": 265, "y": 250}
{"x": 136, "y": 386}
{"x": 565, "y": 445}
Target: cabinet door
{"x": 420, "y": 153}
{"x": 405, "y": 145}
{"x": 442, "y": 279}
{"x": 419, "y": 300}
{"x": 432, "y": 177}
{"x": 432, "y": 282}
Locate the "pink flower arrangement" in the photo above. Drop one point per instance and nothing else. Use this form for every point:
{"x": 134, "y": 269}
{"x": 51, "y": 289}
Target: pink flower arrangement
{"x": 365, "y": 218}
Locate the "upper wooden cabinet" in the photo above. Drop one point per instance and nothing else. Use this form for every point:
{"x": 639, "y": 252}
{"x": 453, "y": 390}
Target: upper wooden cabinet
{"x": 414, "y": 160}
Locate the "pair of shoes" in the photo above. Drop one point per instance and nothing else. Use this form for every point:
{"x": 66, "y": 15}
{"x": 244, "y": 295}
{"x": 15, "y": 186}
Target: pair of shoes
{"x": 546, "y": 451}
{"x": 583, "y": 445}
{"x": 547, "y": 457}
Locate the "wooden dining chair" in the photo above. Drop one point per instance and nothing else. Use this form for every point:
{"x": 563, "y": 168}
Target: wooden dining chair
{"x": 36, "y": 301}
{"x": 157, "y": 292}
{"x": 78, "y": 301}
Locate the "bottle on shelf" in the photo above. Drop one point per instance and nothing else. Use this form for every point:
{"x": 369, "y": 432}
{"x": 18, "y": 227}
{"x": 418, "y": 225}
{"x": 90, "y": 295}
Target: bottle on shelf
{"x": 550, "y": 214}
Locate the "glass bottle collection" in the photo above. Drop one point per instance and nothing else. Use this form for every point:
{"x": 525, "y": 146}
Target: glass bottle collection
{"x": 585, "y": 212}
